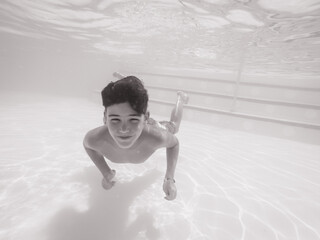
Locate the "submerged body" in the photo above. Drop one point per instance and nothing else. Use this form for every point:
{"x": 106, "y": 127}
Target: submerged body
{"x": 130, "y": 136}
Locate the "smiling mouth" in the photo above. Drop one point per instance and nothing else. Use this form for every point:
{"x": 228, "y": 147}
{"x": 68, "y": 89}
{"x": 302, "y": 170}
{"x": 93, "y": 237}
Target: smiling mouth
{"x": 124, "y": 137}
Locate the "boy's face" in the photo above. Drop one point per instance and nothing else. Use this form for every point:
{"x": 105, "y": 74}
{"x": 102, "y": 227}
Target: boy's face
{"x": 125, "y": 125}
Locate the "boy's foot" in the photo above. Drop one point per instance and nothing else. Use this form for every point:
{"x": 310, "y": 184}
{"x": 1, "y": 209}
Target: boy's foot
{"x": 106, "y": 181}
{"x": 118, "y": 75}
{"x": 183, "y": 96}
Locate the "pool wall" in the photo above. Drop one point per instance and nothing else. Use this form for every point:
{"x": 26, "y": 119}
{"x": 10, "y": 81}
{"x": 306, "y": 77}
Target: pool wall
{"x": 284, "y": 106}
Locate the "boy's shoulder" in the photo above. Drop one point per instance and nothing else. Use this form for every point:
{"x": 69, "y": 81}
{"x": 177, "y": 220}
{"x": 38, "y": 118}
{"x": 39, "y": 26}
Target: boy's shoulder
{"x": 95, "y": 136}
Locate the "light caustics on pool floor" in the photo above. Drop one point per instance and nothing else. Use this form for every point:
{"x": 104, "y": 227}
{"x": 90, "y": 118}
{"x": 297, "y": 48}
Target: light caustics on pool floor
{"x": 232, "y": 185}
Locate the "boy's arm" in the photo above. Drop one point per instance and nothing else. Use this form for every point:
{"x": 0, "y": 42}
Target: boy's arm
{"x": 99, "y": 161}
{"x": 172, "y": 145}
{"x": 172, "y": 157}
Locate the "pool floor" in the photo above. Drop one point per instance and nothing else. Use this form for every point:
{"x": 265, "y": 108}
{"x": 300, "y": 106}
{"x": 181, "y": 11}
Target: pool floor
{"x": 231, "y": 184}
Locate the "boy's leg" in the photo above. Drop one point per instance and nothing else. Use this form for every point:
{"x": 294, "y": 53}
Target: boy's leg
{"x": 176, "y": 114}
{"x": 118, "y": 75}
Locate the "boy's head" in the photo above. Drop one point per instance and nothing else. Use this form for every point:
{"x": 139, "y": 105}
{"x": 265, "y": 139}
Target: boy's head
{"x": 129, "y": 89}
{"x": 125, "y": 103}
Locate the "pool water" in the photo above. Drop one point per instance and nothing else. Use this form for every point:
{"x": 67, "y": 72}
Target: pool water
{"x": 231, "y": 184}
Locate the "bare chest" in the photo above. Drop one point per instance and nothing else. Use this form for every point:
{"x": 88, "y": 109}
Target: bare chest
{"x": 138, "y": 155}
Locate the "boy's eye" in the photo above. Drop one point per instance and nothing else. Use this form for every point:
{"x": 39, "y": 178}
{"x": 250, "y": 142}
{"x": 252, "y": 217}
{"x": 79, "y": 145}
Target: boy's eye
{"x": 134, "y": 120}
{"x": 115, "y": 120}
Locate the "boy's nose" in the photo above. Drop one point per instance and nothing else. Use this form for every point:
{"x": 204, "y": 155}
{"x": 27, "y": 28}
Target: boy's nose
{"x": 124, "y": 128}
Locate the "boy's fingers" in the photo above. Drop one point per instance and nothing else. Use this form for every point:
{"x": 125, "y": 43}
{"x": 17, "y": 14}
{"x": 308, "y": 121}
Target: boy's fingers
{"x": 169, "y": 198}
{"x": 107, "y": 184}
{"x": 170, "y": 191}
{"x": 166, "y": 191}
{"x": 170, "y": 195}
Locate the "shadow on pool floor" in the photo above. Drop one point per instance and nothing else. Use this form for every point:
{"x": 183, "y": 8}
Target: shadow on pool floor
{"x": 107, "y": 216}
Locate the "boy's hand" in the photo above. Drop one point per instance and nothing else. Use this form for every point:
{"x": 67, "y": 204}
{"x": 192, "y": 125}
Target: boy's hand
{"x": 106, "y": 181}
{"x": 169, "y": 189}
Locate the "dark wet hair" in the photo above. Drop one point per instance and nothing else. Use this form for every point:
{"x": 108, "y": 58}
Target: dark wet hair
{"x": 129, "y": 89}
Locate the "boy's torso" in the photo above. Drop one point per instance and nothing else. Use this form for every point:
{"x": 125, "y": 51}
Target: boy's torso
{"x": 146, "y": 145}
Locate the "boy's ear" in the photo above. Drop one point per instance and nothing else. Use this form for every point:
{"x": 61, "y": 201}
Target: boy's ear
{"x": 104, "y": 117}
{"x": 147, "y": 115}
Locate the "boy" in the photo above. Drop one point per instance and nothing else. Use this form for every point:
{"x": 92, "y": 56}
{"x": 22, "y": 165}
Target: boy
{"x": 129, "y": 135}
